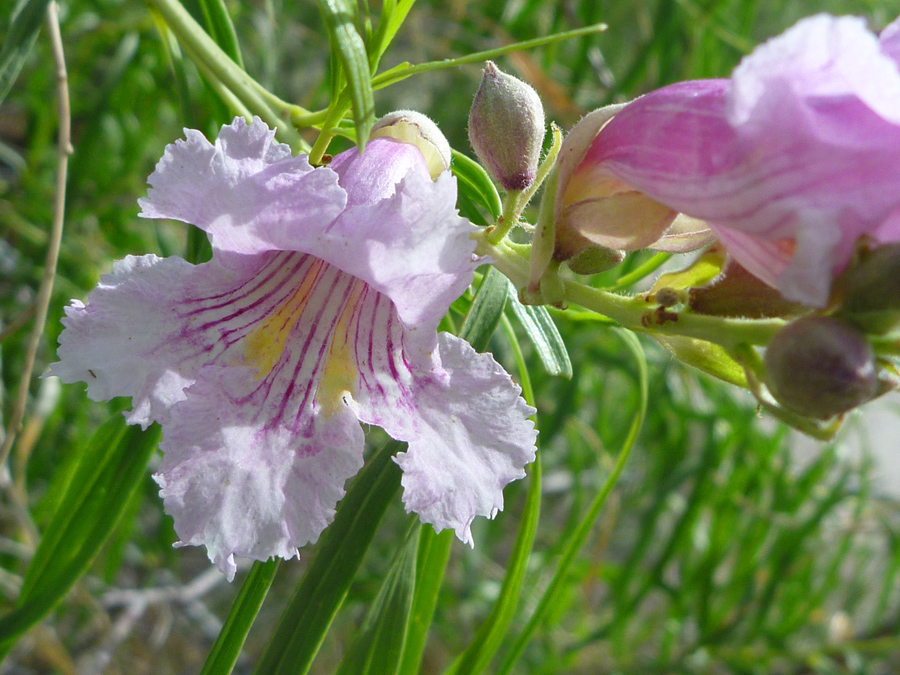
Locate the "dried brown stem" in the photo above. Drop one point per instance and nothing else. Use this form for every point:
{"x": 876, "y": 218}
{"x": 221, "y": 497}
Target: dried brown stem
{"x": 64, "y": 148}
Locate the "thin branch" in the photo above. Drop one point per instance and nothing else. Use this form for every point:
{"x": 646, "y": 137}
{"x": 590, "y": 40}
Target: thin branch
{"x": 64, "y": 148}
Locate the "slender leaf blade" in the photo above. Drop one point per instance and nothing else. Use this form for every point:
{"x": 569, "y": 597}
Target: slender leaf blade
{"x": 378, "y": 648}
{"x": 351, "y": 49}
{"x": 475, "y": 180}
{"x": 221, "y": 28}
{"x": 23, "y": 29}
{"x": 484, "y": 316}
{"x": 230, "y": 641}
{"x": 544, "y": 335}
{"x": 321, "y": 592}
{"x": 112, "y": 465}
{"x": 431, "y": 561}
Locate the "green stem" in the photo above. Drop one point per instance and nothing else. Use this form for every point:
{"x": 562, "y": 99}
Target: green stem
{"x": 401, "y": 73}
{"x": 335, "y": 114}
{"x": 205, "y": 51}
{"x": 633, "y": 312}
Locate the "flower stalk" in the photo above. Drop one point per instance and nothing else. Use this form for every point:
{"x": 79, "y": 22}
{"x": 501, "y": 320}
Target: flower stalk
{"x": 634, "y": 312}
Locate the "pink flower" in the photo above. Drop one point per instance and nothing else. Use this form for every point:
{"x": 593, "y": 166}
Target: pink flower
{"x": 789, "y": 161}
{"x": 317, "y": 312}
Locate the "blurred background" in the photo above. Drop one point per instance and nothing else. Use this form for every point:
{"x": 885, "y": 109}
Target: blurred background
{"x": 731, "y": 544}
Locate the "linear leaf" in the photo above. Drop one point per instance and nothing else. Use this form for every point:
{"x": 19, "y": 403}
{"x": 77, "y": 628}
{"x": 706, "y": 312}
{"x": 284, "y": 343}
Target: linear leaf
{"x": 342, "y": 35}
{"x": 378, "y": 647}
{"x": 545, "y": 337}
{"x": 26, "y": 22}
{"x": 484, "y": 316}
{"x": 109, "y": 470}
{"x": 431, "y": 561}
{"x": 477, "y": 183}
{"x": 319, "y": 596}
{"x": 221, "y": 28}
{"x": 230, "y": 641}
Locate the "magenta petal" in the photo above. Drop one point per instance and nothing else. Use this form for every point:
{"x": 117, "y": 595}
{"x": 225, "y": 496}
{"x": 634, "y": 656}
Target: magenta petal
{"x": 802, "y": 144}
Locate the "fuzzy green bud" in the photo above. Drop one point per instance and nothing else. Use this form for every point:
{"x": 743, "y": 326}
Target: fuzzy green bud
{"x": 409, "y": 126}
{"x": 595, "y": 259}
{"x": 820, "y": 367}
{"x": 506, "y": 128}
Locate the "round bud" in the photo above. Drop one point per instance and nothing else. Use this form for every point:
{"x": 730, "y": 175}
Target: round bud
{"x": 506, "y": 128}
{"x": 413, "y": 127}
{"x": 820, "y": 367}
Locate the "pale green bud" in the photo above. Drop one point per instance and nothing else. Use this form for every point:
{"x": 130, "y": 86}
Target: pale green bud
{"x": 506, "y": 128}
{"x": 413, "y": 127}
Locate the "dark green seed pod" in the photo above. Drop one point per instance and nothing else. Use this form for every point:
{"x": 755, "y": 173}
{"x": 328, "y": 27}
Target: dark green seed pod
{"x": 820, "y": 367}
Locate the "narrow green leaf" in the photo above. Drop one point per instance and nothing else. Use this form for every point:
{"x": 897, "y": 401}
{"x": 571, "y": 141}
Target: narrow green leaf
{"x": 230, "y": 641}
{"x": 342, "y": 35}
{"x": 378, "y": 647}
{"x": 484, "y": 316}
{"x": 319, "y": 596}
{"x": 492, "y": 633}
{"x": 575, "y": 542}
{"x": 110, "y": 467}
{"x": 221, "y": 28}
{"x": 475, "y": 181}
{"x": 431, "y": 561}
{"x": 24, "y": 26}
{"x": 393, "y": 14}
{"x": 542, "y": 332}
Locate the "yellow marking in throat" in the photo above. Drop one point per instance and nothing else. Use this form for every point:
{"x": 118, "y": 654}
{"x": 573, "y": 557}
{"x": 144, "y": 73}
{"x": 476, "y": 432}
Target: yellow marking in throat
{"x": 340, "y": 374}
{"x": 264, "y": 345}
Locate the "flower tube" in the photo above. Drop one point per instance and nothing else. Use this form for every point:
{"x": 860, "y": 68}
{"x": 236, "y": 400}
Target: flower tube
{"x": 789, "y": 162}
{"x": 318, "y": 311}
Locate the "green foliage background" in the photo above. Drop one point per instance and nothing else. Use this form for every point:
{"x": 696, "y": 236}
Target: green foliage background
{"x": 716, "y": 552}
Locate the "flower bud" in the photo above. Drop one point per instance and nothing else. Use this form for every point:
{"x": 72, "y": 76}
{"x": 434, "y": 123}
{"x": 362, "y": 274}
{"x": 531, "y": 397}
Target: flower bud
{"x": 820, "y": 367}
{"x": 413, "y": 127}
{"x": 872, "y": 290}
{"x": 506, "y": 128}
{"x": 595, "y": 259}
{"x": 594, "y": 205}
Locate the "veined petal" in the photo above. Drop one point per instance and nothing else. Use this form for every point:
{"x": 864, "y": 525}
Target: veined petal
{"x": 799, "y": 151}
{"x": 246, "y": 190}
{"x": 411, "y": 244}
{"x": 376, "y": 215}
{"x": 464, "y": 420}
{"x": 129, "y": 316}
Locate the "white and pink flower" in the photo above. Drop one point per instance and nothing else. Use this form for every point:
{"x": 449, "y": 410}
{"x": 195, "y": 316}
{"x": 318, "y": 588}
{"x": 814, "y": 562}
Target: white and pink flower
{"x": 318, "y": 311}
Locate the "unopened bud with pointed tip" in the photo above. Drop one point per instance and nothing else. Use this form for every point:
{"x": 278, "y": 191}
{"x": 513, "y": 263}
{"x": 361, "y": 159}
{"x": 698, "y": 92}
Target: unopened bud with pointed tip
{"x": 506, "y": 128}
{"x": 820, "y": 367}
{"x": 413, "y": 127}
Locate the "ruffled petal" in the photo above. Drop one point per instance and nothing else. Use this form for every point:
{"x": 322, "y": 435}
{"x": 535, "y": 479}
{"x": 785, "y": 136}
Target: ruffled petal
{"x": 239, "y": 477}
{"x": 889, "y": 40}
{"x": 246, "y": 190}
{"x": 470, "y": 438}
{"x": 109, "y": 342}
{"x": 465, "y": 422}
